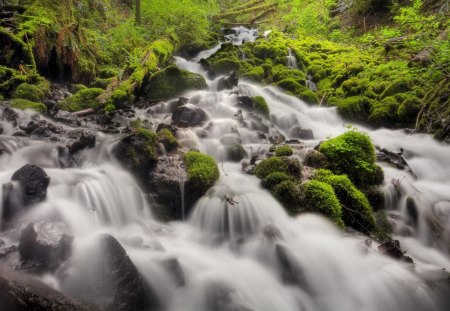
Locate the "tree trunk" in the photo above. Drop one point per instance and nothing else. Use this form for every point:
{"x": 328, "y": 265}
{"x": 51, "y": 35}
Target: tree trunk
{"x": 137, "y": 10}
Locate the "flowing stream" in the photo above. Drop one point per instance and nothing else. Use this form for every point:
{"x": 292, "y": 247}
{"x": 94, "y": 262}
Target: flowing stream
{"x": 242, "y": 249}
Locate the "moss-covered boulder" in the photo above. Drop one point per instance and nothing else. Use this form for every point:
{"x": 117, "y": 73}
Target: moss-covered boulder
{"x": 260, "y": 106}
{"x": 355, "y": 108}
{"x": 287, "y": 192}
{"x": 289, "y": 166}
{"x": 202, "y": 171}
{"x": 170, "y": 83}
{"x": 353, "y": 154}
{"x": 384, "y": 113}
{"x": 83, "y": 99}
{"x": 284, "y": 151}
{"x": 235, "y": 152}
{"x": 319, "y": 197}
{"x": 357, "y": 212}
{"x": 274, "y": 179}
{"x": 33, "y": 92}
{"x": 316, "y": 159}
{"x": 20, "y": 103}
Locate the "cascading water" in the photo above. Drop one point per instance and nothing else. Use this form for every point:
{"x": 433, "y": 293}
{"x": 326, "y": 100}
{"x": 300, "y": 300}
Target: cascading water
{"x": 239, "y": 250}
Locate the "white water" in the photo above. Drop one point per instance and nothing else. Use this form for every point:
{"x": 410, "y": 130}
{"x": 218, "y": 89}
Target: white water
{"x": 223, "y": 244}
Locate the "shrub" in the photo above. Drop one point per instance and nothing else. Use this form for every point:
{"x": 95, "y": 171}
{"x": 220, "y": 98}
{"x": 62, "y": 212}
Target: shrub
{"x": 319, "y": 197}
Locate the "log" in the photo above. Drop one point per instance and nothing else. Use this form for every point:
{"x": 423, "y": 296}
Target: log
{"x": 84, "y": 112}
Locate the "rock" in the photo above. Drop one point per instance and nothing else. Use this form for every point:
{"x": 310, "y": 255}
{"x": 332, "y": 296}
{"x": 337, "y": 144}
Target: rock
{"x": 8, "y": 114}
{"x": 86, "y": 140}
{"x": 229, "y": 82}
{"x": 290, "y": 269}
{"x": 272, "y": 233}
{"x": 163, "y": 126}
{"x": 28, "y": 186}
{"x": 395, "y": 158}
{"x": 21, "y": 292}
{"x": 300, "y": 133}
{"x": 315, "y": 159}
{"x": 245, "y": 102}
{"x": 165, "y": 185}
{"x": 221, "y": 297}
{"x": 189, "y": 115}
{"x": 412, "y": 211}
{"x": 67, "y": 118}
{"x": 6, "y": 251}
{"x": 172, "y": 265}
{"x": 45, "y": 245}
{"x": 114, "y": 282}
{"x": 392, "y": 249}
{"x": 170, "y": 83}
{"x": 235, "y": 152}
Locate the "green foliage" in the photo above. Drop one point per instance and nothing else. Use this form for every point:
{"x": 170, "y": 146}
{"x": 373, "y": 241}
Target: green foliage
{"x": 202, "y": 171}
{"x": 260, "y": 106}
{"x": 86, "y": 98}
{"x": 20, "y": 103}
{"x": 226, "y": 65}
{"x": 284, "y": 151}
{"x": 356, "y": 209}
{"x": 319, "y": 197}
{"x": 353, "y": 154}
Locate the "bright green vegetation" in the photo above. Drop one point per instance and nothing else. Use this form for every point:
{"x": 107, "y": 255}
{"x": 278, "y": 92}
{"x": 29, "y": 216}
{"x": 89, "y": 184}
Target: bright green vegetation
{"x": 260, "y": 106}
{"x": 356, "y": 209}
{"x": 202, "y": 171}
{"x": 274, "y": 179}
{"x": 319, "y": 197}
{"x": 278, "y": 164}
{"x": 33, "y": 92}
{"x": 150, "y": 139}
{"x": 284, "y": 151}
{"x": 83, "y": 99}
{"x": 20, "y": 103}
{"x": 353, "y": 154}
{"x": 169, "y": 141}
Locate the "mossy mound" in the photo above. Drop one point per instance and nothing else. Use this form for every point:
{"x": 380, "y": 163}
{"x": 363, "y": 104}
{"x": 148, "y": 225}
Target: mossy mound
{"x": 226, "y": 65}
{"x": 202, "y": 173}
{"x": 291, "y": 167}
{"x": 316, "y": 159}
{"x": 355, "y": 108}
{"x": 167, "y": 139}
{"x": 287, "y": 192}
{"x": 284, "y": 151}
{"x": 319, "y": 197}
{"x": 274, "y": 179}
{"x": 353, "y": 154}
{"x": 83, "y": 99}
{"x": 260, "y": 106}
{"x": 20, "y": 103}
{"x": 32, "y": 92}
{"x": 170, "y": 83}
{"x": 235, "y": 152}
{"x": 357, "y": 212}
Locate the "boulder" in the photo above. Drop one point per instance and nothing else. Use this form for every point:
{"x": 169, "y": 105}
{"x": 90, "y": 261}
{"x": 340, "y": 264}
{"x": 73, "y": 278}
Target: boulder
{"x": 245, "y": 102}
{"x": 21, "y": 292}
{"x": 315, "y": 159}
{"x": 110, "y": 279}
{"x": 221, "y": 297}
{"x": 189, "y": 115}
{"x": 300, "y": 133}
{"x": 86, "y": 140}
{"x": 173, "y": 267}
{"x": 228, "y": 82}
{"x": 291, "y": 271}
{"x": 45, "y": 245}
{"x": 170, "y": 83}
{"x": 68, "y": 118}
{"x": 392, "y": 249}
{"x": 9, "y": 115}
{"x": 28, "y": 186}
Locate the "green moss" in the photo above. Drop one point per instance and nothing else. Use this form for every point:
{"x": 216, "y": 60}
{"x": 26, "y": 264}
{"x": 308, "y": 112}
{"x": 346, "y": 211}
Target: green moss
{"x": 260, "y": 106}
{"x": 324, "y": 84}
{"x": 151, "y": 140}
{"x": 108, "y": 72}
{"x": 119, "y": 97}
{"x": 202, "y": 171}
{"x": 383, "y": 228}
{"x": 356, "y": 209}
{"x": 408, "y": 110}
{"x": 319, "y": 197}
{"x": 235, "y": 152}
{"x": 316, "y": 159}
{"x": 309, "y": 97}
{"x": 352, "y": 153}
{"x": 354, "y": 108}
{"x": 101, "y": 83}
{"x": 278, "y": 164}
{"x": 30, "y": 92}
{"x": 20, "y": 103}
{"x": 291, "y": 85}
{"x": 317, "y": 72}
{"x": 166, "y": 138}
{"x": 287, "y": 193}
{"x": 399, "y": 86}
{"x": 284, "y": 151}
{"x": 226, "y": 65}
{"x": 172, "y": 82}
{"x": 355, "y": 86}
{"x": 384, "y": 113}
{"x": 255, "y": 74}
{"x": 83, "y": 99}
{"x": 274, "y": 179}
{"x": 74, "y": 88}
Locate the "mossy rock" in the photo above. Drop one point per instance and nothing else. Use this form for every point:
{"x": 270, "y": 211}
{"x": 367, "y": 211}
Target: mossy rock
{"x": 119, "y": 98}
{"x": 108, "y": 72}
{"x": 289, "y": 166}
{"x": 319, "y": 197}
{"x": 30, "y": 92}
{"x": 317, "y": 72}
{"x": 353, "y": 154}
{"x": 356, "y": 210}
{"x": 170, "y": 83}
{"x": 86, "y": 98}
{"x": 255, "y": 74}
{"x": 20, "y": 103}
{"x": 168, "y": 140}
{"x": 287, "y": 192}
{"x": 101, "y": 83}
{"x": 355, "y": 108}
{"x": 235, "y": 152}
{"x": 309, "y": 97}
{"x": 274, "y": 179}
{"x": 284, "y": 151}
{"x": 399, "y": 86}
{"x": 355, "y": 86}
{"x": 316, "y": 159}
{"x": 384, "y": 113}
{"x": 260, "y": 106}
{"x": 226, "y": 65}
{"x": 408, "y": 109}
{"x": 203, "y": 173}
{"x": 13, "y": 51}
{"x": 291, "y": 85}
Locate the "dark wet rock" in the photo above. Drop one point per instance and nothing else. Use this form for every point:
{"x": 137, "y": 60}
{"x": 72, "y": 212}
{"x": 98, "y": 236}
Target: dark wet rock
{"x": 189, "y": 115}
{"x": 300, "y": 133}
{"x": 86, "y": 140}
{"x": 171, "y": 128}
{"x": 20, "y": 133}
{"x": 28, "y": 186}
{"x": 6, "y": 251}
{"x": 412, "y": 211}
{"x": 165, "y": 183}
{"x": 228, "y": 82}
{"x": 133, "y": 153}
{"x": 392, "y": 249}
{"x": 21, "y": 292}
{"x": 245, "y": 102}
{"x": 229, "y": 140}
{"x": 291, "y": 271}
{"x": 395, "y": 158}
{"x": 114, "y": 281}
{"x": 2, "y": 243}
{"x": 272, "y": 233}
{"x": 221, "y": 297}
{"x": 8, "y": 114}
{"x": 68, "y": 118}
{"x": 174, "y": 268}
{"x": 235, "y": 152}
{"x": 45, "y": 245}
{"x": 315, "y": 159}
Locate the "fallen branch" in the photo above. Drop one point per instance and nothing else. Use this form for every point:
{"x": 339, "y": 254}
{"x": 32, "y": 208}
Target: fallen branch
{"x": 84, "y": 112}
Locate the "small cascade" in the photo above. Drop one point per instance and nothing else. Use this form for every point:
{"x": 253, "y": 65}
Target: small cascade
{"x": 291, "y": 61}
